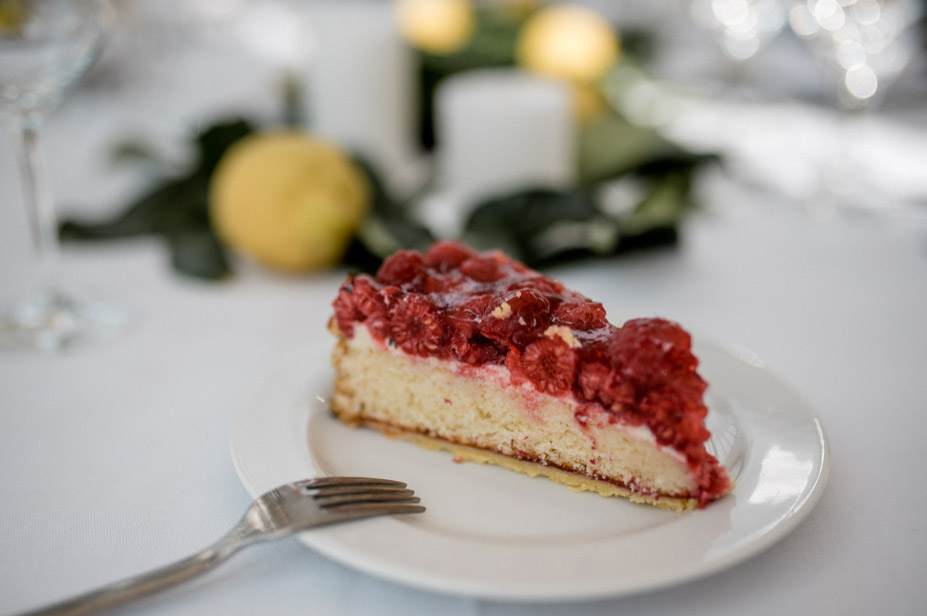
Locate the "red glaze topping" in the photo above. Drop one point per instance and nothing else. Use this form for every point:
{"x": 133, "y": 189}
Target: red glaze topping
{"x": 486, "y": 308}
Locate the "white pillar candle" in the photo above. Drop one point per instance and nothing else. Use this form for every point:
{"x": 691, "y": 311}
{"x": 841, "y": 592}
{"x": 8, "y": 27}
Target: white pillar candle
{"x": 362, "y": 91}
{"x": 503, "y": 129}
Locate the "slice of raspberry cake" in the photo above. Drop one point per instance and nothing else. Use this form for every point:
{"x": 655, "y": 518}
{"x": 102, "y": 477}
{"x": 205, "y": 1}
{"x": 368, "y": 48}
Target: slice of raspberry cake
{"x": 477, "y": 354}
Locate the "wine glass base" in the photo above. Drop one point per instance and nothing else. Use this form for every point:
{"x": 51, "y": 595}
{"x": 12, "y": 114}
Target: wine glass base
{"x": 58, "y": 321}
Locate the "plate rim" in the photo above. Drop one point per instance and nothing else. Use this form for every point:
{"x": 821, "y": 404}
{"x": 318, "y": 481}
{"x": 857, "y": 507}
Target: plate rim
{"x": 332, "y": 545}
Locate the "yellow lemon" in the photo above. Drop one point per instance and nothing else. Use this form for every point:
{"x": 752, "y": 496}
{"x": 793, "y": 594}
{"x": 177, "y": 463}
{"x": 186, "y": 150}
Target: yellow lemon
{"x": 568, "y": 41}
{"x": 288, "y": 200}
{"x": 13, "y": 14}
{"x": 436, "y": 26}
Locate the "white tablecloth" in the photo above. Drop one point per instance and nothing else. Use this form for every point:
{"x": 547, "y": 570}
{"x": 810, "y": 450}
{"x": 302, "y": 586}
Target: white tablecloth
{"x": 115, "y": 459}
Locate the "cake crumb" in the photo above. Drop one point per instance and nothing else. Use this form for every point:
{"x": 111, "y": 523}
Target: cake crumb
{"x": 565, "y": 334}
{"x": 503, "y": 311}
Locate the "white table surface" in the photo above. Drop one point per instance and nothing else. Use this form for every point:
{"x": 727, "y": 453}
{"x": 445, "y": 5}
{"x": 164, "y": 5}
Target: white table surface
{"x": 115, "y": 459}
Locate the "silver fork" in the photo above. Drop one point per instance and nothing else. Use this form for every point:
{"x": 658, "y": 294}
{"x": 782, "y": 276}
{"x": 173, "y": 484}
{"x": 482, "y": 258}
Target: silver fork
{"x": 289, "y": 509}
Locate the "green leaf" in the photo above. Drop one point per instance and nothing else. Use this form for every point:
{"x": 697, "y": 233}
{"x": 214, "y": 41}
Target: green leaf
{"x": 529, "y": 211}
{"x": 136, "y": 152}
{"x": 612, "y": 146}
{"x": 177, "y": 209}
{"x": 216, "y": 139}
{"x": 140, "y": 218}
{"x": 663, "y": 206}
{"x": 539, "y": 225}
{"x": 197, "y": 252}
{"x": 156, "y": 212}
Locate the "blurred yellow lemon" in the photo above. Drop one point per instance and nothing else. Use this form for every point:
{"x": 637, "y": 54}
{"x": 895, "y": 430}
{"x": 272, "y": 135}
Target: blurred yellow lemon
{"x": 13, "y": 14}
{"x": 288, "y": 200}
{"x": 568, "y": 41}
{"x": 435, "y": 26}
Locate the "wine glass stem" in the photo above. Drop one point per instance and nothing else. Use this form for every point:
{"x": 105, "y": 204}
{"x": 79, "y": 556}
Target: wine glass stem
{"x": 40, "y": 205}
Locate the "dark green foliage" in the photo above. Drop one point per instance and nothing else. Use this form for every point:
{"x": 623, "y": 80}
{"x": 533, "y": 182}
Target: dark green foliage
{"x": 176, "y": 208}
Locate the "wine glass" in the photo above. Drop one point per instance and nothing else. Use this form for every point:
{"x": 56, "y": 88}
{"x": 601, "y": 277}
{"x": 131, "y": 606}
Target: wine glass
{"x": 45, "y": 46}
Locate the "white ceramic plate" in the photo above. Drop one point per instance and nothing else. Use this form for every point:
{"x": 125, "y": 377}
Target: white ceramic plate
{"x": 492, "y": 533}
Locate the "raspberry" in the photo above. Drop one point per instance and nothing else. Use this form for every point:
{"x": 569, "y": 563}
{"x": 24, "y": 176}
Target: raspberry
{"x": 598, "y": 381}
{"x": 513, "y": 363}
{"x": 689, "y": 386}
{"x": 473, "y": 308}
{"x": 416, "y": 326}
{"x": 515, "y": 317}
{"x": 367, "y": 300}
{"x": 446, "y": 283}
{"x": 461, "y": 336}
{"x": 545, "y": 286}
{"x": 711, "y": 482}
{"x": 661, "y": 407}
{"x": 482, "y": 269}
{"x": 593, "y": 378}
{"x": 463, "y": 322}
{"x": 370, "y": 307}
{"x": 405, "y": 268}
{"x": 651, "y": 351}
{"x": 344, "y": 308}
{"x": 464, "y": 318}
{"x": 549, "y": 364}
{"x": 359, "y": 301}
{"x": 446, "y": 256}
{"x": 583, "y": 316}
{"x": 675, "y": 420}
{"x": 692, "y": 426}
{"x": 478, "y": 351}
{"x": 655, "y": 356}
{"x": 512, "y": 266}
{"x": 390, "y": 295}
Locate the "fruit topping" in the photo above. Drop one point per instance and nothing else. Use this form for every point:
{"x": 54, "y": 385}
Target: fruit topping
{"x": 485, "y": 308}
{"x": 548, "y": 363}
{"x": 447, "y": 256}
{"x": 550, "y": 288}
{"x": 516, "y": 317}
{"x": 482, "y": 269}
{"x": 405, "y": 268}
{"x": 584, "y": 315}
{"x": 651, "y": 350}
{"x": 416, "y": 326}
{"x": 598, "y": 381}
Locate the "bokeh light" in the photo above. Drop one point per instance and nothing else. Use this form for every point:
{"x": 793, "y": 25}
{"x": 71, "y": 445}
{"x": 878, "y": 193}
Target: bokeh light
{"x": 436, "y": 26}
{"x": 570, "y": 42}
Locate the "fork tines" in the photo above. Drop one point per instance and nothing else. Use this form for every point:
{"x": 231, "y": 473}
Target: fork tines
{"x": 361, "y": 495}
{"x": 319, "y": 482}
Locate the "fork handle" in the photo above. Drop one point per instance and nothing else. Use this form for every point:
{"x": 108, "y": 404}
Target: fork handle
{"x": 145, "y": 584}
